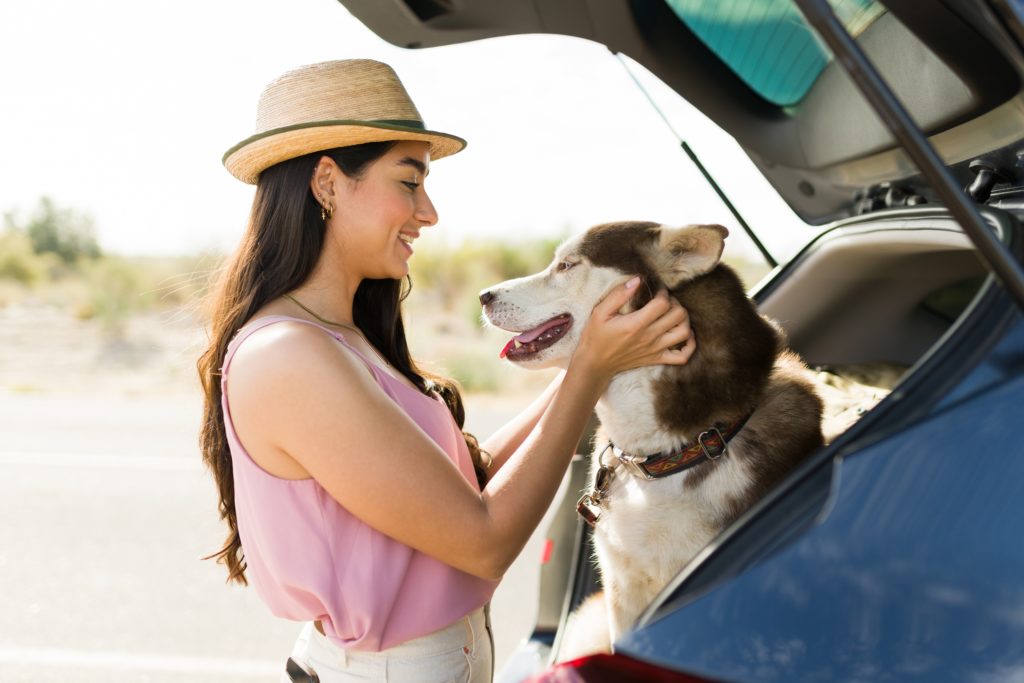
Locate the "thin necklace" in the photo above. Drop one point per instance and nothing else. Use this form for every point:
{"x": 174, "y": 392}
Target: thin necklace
{"x": 347, "y": 326}
{"x": 325, "y": 321}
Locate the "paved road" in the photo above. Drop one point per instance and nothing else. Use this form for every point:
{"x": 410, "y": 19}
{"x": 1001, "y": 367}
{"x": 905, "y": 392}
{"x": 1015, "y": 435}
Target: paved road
{"x": 105, "y": 513}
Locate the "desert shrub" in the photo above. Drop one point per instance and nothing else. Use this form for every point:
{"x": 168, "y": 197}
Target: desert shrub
{"x": 113, "y": 289}
{"x": 451, "y": 276}
{"x": 474, "y": 369}
{"x": 62, "y": 231}
{"x": 18, "y": 261}
{"x": 177, "y": 282}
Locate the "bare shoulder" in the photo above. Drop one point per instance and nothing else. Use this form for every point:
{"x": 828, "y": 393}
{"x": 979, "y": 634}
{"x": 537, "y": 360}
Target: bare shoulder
{"x": 277, "y": 379}
{"x": 287, "y": 354}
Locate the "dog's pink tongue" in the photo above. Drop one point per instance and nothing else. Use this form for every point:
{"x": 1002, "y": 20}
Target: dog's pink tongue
{"x": 530, "y": 335}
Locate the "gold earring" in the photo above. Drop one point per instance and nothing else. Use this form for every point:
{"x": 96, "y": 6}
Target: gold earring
{"x": 326, "y": 212}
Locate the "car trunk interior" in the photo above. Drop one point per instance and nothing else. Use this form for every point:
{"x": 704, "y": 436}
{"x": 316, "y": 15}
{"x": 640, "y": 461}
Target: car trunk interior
{"x": 870, "y": 297}
{"x": 871, "y": 293}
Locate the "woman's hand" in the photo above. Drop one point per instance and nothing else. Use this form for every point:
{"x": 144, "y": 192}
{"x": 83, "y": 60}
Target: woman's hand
{"x": 614, "y": 342}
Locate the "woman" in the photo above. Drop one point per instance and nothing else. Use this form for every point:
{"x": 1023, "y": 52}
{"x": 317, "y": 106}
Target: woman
{"x": 344, "y": 474}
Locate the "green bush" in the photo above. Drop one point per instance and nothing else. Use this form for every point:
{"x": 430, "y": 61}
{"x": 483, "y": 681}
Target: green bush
{"x": 181, "y": 281}
{"x": 61, "y": 231}
{"x": 452, "y": 276}
{"x": 18, "y": 261}
{"x": 114, "y": 289}
{"x": 474, "y": 369}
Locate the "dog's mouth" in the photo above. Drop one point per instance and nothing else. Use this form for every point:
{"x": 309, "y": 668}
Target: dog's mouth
{"x": 536, "y": 340}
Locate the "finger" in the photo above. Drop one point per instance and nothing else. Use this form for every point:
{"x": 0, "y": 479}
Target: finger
{"x": 675, "y": 304}
{"x": 676, "y": 316}
{"x": 679, "y": 356}
{"x": 672, "y": 339}
{"x": 659, "y": 304}
{"x": 617, "y": 298}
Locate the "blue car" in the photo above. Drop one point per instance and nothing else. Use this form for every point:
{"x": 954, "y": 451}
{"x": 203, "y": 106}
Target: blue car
{"x": 895, "y": 553}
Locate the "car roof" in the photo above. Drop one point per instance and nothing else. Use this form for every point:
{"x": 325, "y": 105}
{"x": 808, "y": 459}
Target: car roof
{"x": 950, "y": 62}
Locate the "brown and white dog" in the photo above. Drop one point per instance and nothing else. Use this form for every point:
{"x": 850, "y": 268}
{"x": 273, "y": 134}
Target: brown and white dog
{"x": 683, "y": 450}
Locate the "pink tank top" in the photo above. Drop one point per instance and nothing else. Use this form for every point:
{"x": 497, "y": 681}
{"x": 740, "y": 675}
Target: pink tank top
{"x": 308, "y": 558}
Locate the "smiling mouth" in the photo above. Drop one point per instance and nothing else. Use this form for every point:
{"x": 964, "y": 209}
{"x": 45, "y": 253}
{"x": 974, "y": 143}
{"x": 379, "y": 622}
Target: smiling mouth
{"x": 532, "y": 342}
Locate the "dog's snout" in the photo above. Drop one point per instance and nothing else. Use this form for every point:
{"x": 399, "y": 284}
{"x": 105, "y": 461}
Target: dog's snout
{"x": 486, "y": 297}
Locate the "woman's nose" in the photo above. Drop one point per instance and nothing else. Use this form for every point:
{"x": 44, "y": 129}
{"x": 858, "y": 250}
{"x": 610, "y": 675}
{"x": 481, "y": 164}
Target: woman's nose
{"x": 425, "y": 212}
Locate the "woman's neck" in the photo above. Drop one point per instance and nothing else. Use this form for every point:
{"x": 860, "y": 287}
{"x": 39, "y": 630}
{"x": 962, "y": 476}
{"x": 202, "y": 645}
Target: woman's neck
{"x": 328, "y": 292}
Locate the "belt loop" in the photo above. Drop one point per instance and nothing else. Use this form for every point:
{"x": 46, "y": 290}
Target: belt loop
{"x": 471, "y": 650}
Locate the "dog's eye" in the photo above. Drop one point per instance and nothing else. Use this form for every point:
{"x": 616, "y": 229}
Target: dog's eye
{"x": 564, "y": 266}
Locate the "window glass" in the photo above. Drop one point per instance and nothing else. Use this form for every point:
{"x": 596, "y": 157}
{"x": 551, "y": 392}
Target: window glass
{"x": 767, "y": 43}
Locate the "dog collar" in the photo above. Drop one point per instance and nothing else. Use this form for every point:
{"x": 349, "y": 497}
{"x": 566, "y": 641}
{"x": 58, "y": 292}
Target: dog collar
{"x": 710, "y": 444}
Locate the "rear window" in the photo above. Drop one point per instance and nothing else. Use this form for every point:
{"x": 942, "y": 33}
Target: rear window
{"x": 767, "y": 43}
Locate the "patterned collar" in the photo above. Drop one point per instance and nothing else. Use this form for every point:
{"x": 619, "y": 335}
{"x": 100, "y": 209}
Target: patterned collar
{"x": 710, "y": 444}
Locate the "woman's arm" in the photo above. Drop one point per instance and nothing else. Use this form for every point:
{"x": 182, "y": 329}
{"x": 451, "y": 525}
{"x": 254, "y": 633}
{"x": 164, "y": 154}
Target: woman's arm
{"x": 506, "y": 440}
{"x": 297, "y": 394}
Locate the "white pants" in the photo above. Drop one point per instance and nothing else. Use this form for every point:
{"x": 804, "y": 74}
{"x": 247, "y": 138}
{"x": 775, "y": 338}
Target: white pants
{"x": 460, "y": 653}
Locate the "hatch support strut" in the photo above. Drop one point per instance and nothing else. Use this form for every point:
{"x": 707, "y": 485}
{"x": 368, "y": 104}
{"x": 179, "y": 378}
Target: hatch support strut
{"x": 704, "y": 171}
{"x": 996, "y": 256}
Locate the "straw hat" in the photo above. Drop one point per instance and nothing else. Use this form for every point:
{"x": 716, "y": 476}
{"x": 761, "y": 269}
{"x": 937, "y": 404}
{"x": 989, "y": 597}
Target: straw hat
{"x": 327, "y": 105}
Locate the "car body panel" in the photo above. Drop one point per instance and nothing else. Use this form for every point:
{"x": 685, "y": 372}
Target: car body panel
{"x": 911, "y": 575}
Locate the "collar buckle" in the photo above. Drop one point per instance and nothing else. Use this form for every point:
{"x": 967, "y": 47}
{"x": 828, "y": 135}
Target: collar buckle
{"x": 633, "y": 463}
{"x": 712, "y": 443}
{"x": 636, "y": 468}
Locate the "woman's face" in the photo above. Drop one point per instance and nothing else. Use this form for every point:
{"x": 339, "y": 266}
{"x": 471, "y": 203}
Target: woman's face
{"x": 378, "y": 217}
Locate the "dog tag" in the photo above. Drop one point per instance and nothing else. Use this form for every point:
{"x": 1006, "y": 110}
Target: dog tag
{"x": 589, "y": 505}
{"x": 588, "y": 509}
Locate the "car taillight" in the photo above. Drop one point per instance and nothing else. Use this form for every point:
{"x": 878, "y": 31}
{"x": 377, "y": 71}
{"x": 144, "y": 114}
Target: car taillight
{"x": 612, "y": 669}
{"x": 545, "y": 553}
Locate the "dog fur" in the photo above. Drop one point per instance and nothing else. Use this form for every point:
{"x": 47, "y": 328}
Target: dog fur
{"x": 650, "y": 529}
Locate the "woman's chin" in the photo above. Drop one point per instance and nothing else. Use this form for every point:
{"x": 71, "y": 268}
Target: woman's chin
{"x": 389, "y": 271}
{"x": 397, "y": 272}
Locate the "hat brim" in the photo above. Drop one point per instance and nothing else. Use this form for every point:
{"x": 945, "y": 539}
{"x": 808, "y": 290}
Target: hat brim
{"x": 252, "y": 156}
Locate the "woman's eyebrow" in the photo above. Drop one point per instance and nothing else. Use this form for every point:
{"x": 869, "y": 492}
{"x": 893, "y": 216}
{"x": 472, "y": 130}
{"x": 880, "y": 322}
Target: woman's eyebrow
{"x": 415, "y": 163}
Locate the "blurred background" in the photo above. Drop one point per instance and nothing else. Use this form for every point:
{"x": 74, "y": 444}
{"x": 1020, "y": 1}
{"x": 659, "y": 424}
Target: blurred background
{"x": 116, "y": 215}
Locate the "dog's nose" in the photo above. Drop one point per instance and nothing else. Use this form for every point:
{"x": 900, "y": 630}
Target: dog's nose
{"x": 486, "y": 297}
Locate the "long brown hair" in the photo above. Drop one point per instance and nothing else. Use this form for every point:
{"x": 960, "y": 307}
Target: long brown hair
{"x": 281, "y": 246}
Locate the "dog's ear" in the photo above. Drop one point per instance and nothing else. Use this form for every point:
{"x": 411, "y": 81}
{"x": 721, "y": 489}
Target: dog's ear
{"x": 684, "y": 253}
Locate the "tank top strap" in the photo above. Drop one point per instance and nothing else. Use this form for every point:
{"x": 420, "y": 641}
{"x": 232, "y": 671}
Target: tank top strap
{"x": 266, "y": 321}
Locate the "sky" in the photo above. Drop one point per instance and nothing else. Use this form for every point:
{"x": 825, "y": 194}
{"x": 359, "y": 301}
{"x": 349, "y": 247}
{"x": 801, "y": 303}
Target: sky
{"x": 123, "y": 109}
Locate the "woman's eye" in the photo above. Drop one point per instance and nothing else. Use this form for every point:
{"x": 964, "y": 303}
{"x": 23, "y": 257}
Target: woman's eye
{"x": 564, "y": 266}
{"x": 410, "y": 184}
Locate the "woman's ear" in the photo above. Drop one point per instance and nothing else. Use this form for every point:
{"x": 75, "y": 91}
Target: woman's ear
{"x": 684, "y": 253}
{"x": 322, "y": 182}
